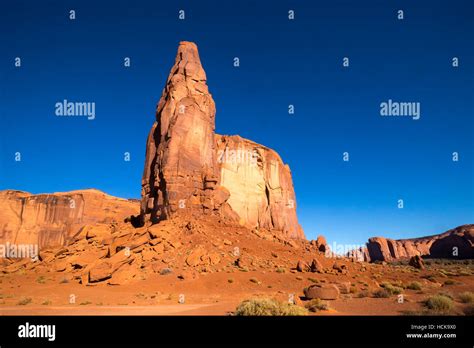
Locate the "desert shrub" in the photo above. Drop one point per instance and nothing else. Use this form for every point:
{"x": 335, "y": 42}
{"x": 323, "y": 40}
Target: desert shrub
{"x": 363, "y": 293}
{"x": 431, "y": 278}
{"x": 268, "y": 307}
{"x": 398, "y": 284}
{"x": 280, "y": 270}
{"x": 439, "y": 304}
{"x": 446, "y": 294}
{"x": 46, "y": 302}
{"x": 469, "y": 310}
{"x": 166, "y": 271}
{"x": 392, "y": 290}
{"x": 449, "y": 282}
{"x": 414, "y": 286}
{"x": 381, "y": 293}
{"x": 41, "y": 280}
{"x": 467, "y": 297}
{"x": 24, "y": 301}
{"x": 317, "y": 305}
{"x": 313, "y": 280}
{"x": 464, "y": 272}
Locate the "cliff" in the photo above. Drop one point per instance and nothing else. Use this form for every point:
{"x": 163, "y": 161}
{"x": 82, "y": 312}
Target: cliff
{"x": 52, "y": 219}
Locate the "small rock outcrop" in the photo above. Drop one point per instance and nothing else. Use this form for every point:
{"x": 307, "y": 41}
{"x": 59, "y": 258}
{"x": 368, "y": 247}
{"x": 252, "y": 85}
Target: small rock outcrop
{"x": 417, "y": 262}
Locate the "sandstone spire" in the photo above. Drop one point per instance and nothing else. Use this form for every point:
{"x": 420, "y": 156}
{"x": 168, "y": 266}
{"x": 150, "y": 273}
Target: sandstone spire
{"x": 180, "y": 156}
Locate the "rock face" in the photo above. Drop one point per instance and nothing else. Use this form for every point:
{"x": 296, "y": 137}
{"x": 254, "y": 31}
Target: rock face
{"x": 50, "y": 220}
{"x": 259, "y": 183}
{"x": 191, "y": 170}
{"x": 457, "y": 243}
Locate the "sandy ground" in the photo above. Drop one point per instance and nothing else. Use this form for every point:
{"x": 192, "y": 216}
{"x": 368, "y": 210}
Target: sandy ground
{"x": 220, "y": 293}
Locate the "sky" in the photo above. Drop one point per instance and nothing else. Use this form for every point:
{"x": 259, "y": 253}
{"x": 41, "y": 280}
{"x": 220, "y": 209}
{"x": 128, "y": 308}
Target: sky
{"x": 282, "y": 62}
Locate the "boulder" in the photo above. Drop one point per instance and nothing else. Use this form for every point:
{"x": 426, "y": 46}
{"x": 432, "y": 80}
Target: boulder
{"x": 97, "y": 230}
{"x": 417, "y": 262}
{"x": 322, "y": 245}
{"x": 316, "y": 266}
{"x": 323, "y": 292}
{"x": 123, "y": 275}
{"x": 194, "y": 258}
{"x": 81, "y": 260}
{"x": 101, "y": 271}
{"x": 340, "y": 267}
{"x": 302, "y": 266}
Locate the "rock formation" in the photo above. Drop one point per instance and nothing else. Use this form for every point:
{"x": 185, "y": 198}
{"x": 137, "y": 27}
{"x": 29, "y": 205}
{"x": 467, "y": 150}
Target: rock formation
{"x": 259, "y": 183}
{"x": 457, "y": 243}
{"x": 191, "y": 170}
{"x": 180, "y": 166}
{"x": 50, "y": 220}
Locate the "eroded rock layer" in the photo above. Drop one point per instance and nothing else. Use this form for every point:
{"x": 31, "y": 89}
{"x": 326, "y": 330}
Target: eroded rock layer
{"x": 50, "y": 220}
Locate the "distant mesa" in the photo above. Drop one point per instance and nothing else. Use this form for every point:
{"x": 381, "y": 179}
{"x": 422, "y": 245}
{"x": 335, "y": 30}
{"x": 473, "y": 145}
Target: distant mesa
{"x": 457, "y": 243}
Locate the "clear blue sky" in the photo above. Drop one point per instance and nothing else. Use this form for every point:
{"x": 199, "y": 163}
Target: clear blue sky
{"x": 282, "y": 62}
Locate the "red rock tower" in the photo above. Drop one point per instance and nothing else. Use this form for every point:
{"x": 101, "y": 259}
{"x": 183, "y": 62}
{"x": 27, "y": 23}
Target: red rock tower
{"x": 191, "y": 170}
{"x": 180, "y": 156}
